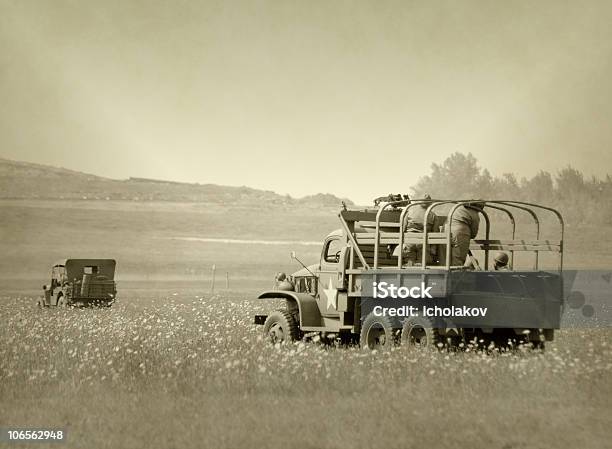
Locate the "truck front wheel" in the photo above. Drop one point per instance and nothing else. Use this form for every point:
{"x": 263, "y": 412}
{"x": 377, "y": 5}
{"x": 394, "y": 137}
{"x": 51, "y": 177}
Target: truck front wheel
{"x": 377, "y": 333}
{"x": 280, "y": 327}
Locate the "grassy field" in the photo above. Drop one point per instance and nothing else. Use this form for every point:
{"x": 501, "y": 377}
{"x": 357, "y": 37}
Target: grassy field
{"x": 172, "y": 366}
{"x": 192, "y": 371}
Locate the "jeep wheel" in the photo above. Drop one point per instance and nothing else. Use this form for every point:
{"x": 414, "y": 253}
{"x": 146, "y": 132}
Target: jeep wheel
{"x": 41, "y": 302}
{"x": 62, "y": 302}
{"x": 419, "y": 331}
{"x": 377, "y": 333}
{"x": 280, "y": 327}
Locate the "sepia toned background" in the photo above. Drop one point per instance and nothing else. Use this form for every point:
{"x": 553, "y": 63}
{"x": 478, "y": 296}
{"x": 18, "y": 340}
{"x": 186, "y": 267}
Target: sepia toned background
{"x": 178, "y": 136}
{"x": 282, "y": 95}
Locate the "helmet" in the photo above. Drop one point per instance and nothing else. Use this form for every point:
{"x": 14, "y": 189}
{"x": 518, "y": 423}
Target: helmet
{"x": 501, "y": 258}
{"x": 426, "y": 201}
{"x": 478, "y": 205}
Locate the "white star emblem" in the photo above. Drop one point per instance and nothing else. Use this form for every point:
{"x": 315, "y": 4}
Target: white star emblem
{"x": 332, "y": 295}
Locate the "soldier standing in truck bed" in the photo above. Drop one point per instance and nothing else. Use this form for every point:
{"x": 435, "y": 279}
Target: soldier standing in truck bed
{"x": 416, "y": 216}
{"x": 412, "y": 253}
{"x": 464, "y": 227}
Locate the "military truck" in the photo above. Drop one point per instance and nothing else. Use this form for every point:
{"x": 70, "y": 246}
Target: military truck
{"x": 334, "y": 298}
{"x": 80, "y": 282}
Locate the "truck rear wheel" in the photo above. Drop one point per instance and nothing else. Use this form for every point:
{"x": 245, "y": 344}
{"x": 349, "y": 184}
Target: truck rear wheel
{"x": 281, "y": 327}
{"x": 419, "y": 331}
{"x": 377, "y": 333}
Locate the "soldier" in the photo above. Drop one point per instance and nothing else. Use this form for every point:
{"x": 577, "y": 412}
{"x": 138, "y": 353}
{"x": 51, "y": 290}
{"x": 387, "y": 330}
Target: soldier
{"x": 501, "y": 261}
{"x": 464, "y": 227}
{"x": 281, "y": 282}
{"x": 415, "y": 223}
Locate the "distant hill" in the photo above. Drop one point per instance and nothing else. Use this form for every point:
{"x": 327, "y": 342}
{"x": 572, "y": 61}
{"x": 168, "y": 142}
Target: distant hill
{"x": 24, "y": 180}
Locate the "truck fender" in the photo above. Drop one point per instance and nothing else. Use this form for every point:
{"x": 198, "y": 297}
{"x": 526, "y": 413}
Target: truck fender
{"x": 306, "y": 305}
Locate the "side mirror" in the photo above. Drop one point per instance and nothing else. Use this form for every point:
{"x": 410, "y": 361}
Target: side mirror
{"x": 45, "y": 287}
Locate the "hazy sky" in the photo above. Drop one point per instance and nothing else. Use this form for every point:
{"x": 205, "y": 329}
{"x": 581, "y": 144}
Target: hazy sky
{"x": 352, "y": 98}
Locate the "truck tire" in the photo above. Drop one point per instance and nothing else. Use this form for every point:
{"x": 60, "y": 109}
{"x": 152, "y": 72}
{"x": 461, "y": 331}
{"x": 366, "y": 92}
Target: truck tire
{"x": 419, "y": 331}
{"x": 377, "y": 333}
{"x": 281, "y": 327}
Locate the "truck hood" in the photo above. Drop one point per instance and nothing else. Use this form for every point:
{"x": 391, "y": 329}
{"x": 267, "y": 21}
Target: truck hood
{"x": 304, "y": 272}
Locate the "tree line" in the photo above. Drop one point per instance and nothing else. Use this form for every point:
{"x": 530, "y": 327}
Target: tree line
{"x": 580, "y": 199}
